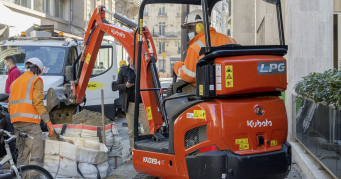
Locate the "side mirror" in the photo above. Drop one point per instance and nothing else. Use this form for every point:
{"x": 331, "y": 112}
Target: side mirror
{"x": 3, "y": 97}
{"x": 271, "y": 1}
{"x": 69, "y": 73}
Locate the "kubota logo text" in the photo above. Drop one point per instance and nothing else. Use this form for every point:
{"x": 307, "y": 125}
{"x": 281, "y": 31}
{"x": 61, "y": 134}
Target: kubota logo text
{"x": 117, "y": 33}
{"x": 151, "y": 160}
{"x": 258, "y": 123}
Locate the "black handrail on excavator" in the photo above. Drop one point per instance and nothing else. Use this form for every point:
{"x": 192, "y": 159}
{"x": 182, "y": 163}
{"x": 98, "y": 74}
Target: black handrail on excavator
{"x": 139, "y": 47}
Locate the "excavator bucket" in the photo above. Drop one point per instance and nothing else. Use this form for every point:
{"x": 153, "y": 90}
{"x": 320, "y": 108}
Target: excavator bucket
{"x": 60, "y": 105}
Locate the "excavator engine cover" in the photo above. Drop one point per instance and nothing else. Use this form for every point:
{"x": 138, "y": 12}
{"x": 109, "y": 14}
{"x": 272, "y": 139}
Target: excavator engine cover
{"x": 242, "y": 75}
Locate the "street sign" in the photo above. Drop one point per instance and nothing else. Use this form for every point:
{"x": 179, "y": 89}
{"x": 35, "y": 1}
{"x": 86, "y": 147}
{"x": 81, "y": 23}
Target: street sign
{"x": 164, "y": 55}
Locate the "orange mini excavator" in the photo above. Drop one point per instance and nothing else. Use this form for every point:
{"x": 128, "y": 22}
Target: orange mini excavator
{"x": 234, "y": 126}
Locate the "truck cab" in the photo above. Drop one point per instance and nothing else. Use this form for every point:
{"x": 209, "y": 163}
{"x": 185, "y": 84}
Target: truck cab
{"x": 57, "y": 53}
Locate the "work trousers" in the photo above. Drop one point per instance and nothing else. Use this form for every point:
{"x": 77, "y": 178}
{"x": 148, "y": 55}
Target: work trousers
{"x": 130, "y": 120}
{"x": 32, "y": 153}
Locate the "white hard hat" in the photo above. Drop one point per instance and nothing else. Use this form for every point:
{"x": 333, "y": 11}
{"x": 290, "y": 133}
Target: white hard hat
{"x": 194, "y": 17}
{"x": 36, "y": 61}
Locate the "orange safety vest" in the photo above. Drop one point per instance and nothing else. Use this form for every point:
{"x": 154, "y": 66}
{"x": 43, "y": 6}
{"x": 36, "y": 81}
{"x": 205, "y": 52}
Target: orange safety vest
{"x": 21, "y": 103}
{"x": 186, "y": 70}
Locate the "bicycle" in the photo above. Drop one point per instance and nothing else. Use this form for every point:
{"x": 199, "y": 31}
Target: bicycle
{"x": 27, "y": 171}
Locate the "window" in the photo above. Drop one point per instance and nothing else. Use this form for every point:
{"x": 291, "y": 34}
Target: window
{"x": 72, "y": 56}
{"x": 103, "y": 61}
{"x": 25, "y": 3}
{"x": 51, "y": 57}
{"x": 39, "y": 5}
{"x": 59, "y": 8}
{"x": 162, "y": 10}
{"x": 162, "y": 28}
{"x": 47, "y": 9}
{"x": 179, "y": 48}
{"x": 161, "y": 47}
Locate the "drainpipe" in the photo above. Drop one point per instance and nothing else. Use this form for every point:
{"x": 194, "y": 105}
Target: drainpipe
{"x": 71, "y": 16}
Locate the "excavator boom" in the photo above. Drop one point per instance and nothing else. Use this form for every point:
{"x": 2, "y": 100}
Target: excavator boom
{"x": 66, "y": 100}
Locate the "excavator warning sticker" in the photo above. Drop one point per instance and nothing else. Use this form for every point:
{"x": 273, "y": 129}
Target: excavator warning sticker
{"x": 242, "y": 141}
{"x": 199, "y": 114}
{"x": 218, "y": 69}
{"x": 88, "y": 58}
{"x": 243, "y": 146}
{"x": 273, "y": 142}
{"x": 229, "y": 76}
{"x": 201, "y": 89}
{"x": 149, "y": 113}
{"x": 218, "y": 76}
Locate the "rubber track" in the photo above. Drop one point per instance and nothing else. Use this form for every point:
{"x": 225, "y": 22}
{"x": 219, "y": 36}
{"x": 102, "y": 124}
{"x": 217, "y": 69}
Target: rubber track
{"x": 144, "y": 176}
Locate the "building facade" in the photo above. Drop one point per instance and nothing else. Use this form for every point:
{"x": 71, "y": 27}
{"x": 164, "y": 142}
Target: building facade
{"x": 68, "y": 16}
{"x": 24, "y": 14}
{"x": 127, "y": 8}
{"x": 312, "y": 35}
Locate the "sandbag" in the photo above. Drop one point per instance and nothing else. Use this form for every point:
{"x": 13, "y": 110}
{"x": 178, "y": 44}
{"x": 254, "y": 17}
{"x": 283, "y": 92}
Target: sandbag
{"x": 94, "y": 133}
{"x": 88, "y": 132}
{"x": 81, "y": 158}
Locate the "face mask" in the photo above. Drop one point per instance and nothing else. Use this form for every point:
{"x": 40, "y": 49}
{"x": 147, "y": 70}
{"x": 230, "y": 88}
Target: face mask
{"x": 5, "y": 68}
{"x": 191, "y": 35}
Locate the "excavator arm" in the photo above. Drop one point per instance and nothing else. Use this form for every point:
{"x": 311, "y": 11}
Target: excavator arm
{"x": 61, "y": 103}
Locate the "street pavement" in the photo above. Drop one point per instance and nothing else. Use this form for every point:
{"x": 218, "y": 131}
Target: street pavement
{"x": 126, "y": 169}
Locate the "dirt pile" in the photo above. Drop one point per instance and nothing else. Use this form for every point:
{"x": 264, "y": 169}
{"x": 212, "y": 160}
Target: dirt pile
{"x": 87, "y": 117}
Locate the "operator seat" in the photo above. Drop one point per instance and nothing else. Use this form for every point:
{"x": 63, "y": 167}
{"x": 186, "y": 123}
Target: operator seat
{"x": 174, "y": 104}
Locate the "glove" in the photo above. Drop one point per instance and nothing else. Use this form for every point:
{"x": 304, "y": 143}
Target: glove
{"x": 50, "y": 128}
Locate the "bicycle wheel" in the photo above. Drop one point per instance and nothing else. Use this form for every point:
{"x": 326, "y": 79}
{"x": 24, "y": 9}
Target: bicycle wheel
{"x": 33, "y": 172}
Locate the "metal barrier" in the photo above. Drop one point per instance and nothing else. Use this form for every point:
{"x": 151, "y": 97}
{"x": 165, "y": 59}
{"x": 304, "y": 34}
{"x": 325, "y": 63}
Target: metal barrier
{"x": 318, "y": 128}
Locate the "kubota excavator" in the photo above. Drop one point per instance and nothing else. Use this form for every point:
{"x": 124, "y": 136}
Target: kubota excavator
{"x": 235, "y": 126}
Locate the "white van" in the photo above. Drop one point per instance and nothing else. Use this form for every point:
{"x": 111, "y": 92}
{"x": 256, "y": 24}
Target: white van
{"x": 56, "y": 53}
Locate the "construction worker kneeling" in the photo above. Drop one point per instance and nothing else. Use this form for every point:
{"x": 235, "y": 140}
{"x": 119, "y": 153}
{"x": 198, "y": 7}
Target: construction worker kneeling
{"x": 27, "y": 109}
{"x": 186, "y": 70}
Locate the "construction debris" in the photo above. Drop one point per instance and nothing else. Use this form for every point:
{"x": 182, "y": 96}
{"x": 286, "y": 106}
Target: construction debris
{"x": 55, "y": 136}
{"x": 91, "y": 118}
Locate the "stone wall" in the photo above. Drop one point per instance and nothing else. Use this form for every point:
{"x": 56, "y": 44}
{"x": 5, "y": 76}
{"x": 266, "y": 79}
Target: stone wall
{"x": 309, "y": 35}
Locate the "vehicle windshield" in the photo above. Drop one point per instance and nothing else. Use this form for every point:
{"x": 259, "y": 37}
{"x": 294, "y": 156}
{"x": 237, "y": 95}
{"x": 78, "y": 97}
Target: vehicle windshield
{"x": 52, "y": 57}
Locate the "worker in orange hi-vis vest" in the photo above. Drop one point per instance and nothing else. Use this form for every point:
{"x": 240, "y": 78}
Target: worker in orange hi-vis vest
{"x": 27, "y": 109}
{"x": 186, "y": 70}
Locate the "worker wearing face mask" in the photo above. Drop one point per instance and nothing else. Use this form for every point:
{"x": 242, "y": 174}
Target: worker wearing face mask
{"x": 186, "y": 70}
{"x": 27, "y": 109}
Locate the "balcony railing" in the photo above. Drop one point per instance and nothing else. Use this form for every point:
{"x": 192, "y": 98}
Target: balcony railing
{"x": 178, "y": 14}
{"x": 166, "y": 34}
{"x": 162, "y": 14}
